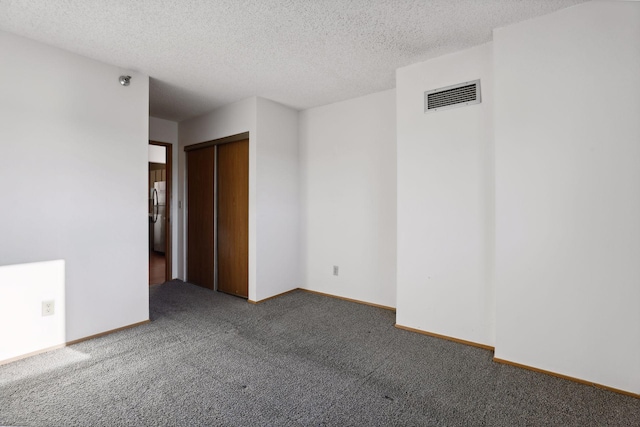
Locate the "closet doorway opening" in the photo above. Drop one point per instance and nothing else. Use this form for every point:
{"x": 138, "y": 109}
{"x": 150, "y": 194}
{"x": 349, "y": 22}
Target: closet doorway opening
{"x": 218, "y": 214}
{"x": 159, "y": 193}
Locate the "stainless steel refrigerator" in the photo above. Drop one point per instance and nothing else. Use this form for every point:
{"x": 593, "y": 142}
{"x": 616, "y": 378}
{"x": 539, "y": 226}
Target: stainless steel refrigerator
{"x": 158, "y": 197}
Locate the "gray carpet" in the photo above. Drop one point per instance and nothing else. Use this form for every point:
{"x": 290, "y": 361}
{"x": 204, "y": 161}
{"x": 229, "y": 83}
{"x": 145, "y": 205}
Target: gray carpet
{"x": 298, "y": 360}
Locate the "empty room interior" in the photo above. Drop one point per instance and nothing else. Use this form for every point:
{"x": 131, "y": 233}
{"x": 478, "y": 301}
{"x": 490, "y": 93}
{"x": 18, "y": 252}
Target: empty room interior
{"x": 320, "y": 213}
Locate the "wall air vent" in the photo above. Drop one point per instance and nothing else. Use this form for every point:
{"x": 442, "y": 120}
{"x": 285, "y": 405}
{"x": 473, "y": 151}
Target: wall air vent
{"x": 459, "y": 95}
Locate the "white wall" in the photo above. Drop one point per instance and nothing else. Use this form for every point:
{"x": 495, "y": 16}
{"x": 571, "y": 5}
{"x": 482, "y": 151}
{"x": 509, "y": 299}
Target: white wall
{"x": 157, "y": 153}
{"x": 277, "y": 200}
{"x": 445, "y": 201}
{"x": 273, "y": 188}
{"x": 73, "y": 182}
{"x": 229, "y": 120}
{"x": 348, "y": 198}
{"x": 161, "y": 130}
{"x": 568, "y": 193}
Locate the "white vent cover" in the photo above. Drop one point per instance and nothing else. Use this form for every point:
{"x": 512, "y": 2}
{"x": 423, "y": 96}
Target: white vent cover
{"x": 458, "y": 95}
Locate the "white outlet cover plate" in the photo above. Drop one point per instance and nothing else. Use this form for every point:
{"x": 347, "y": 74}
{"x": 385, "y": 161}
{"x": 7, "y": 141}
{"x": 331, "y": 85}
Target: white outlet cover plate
{"x": 48, "y": 308}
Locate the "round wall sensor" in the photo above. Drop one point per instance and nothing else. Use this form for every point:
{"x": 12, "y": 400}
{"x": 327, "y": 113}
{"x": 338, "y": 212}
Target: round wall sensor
{"x": 125, "y": 80}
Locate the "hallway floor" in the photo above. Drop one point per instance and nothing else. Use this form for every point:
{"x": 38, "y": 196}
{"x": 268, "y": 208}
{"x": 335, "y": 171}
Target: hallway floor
{"x": 156, "y": 268}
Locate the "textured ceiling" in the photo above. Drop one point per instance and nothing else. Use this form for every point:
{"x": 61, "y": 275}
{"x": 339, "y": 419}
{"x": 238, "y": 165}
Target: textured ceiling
{"x": 201, "y": 54}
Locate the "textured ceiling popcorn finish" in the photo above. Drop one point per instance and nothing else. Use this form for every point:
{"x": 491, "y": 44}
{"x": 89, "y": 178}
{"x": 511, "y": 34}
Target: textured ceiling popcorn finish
{"x": 202, "y": 54}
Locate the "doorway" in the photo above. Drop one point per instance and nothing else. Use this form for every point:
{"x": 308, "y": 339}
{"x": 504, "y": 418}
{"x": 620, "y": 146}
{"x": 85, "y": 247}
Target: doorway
{"x": 159, "y": 194}
{"x": 218, "y": 215}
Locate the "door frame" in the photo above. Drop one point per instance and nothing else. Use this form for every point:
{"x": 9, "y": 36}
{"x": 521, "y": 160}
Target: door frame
{"x": 168, "y": 212}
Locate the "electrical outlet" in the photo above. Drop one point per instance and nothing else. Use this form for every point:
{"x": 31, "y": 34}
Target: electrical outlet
{"x": 335, "y": 270}
{"x": 48, "y": 308}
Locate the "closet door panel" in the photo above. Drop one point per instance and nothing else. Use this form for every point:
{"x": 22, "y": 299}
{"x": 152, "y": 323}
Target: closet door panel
{"x": 200, "y": 217}
{"x": 233, "y": 218}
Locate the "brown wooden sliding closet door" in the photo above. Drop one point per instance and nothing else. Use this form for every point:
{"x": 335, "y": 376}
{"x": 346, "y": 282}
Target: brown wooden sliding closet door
{"x": 200, "y": 217}
{"x": 233, "y": 218}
